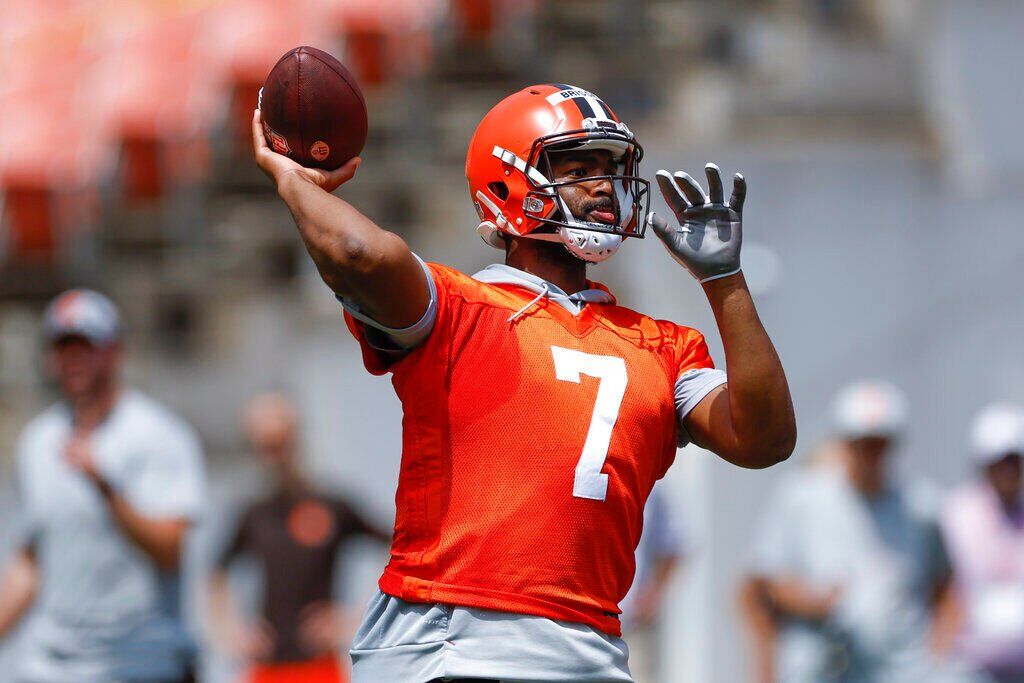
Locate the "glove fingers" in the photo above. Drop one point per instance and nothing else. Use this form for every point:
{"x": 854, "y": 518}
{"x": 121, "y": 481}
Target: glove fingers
{"x": 739, "y": 193}
{"x": 715, "y": 192}
{"x": 690, "y": 188}
{"x": 676, "y": 201}
{"x": 661, "y": 228}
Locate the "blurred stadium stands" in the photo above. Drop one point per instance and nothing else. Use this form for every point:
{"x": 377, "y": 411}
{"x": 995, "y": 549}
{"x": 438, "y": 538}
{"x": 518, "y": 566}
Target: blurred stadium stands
{"x": 880, "y": 138}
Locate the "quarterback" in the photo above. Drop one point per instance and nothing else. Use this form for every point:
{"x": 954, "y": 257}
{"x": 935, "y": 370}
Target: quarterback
{"x": 538, "y": 413}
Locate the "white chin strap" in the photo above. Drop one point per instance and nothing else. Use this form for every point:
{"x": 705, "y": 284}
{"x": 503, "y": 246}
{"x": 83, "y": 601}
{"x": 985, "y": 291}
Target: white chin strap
{"x": 589, "y": 245}
{"x": 592, "y": 246}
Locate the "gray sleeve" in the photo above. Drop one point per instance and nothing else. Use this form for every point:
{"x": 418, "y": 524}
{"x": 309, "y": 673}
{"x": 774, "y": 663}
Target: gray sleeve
{"x": 25, "y": 527}
{"x": 691, "y": 388}
{"x": 398, "y": 340}
{"x": 171, "y": 480}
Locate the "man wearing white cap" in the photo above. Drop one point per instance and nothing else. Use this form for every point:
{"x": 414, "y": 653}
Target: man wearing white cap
{"x": 983, "y": 524}
{"x": 109, "y": 482}
{"x": 849, "y": 562}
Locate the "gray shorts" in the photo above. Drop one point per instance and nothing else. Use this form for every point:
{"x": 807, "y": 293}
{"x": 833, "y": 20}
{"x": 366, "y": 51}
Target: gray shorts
{"x": 403, "y": 642}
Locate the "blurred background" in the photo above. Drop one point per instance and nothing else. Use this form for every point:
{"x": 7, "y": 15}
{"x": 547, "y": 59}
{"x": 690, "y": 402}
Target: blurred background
{"x": 880, "y": 139}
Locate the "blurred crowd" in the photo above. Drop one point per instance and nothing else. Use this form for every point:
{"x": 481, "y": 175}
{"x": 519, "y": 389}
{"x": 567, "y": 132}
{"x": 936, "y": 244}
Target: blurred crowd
{"x": 855, "y": 574}
{"x": 110, "y": 483}
{"x": 861, "y": 575}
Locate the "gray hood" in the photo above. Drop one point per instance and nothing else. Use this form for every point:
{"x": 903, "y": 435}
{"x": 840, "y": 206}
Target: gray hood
{"x": 501, "y": 274}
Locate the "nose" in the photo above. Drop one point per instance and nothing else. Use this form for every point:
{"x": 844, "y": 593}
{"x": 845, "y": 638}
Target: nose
{"x": 601, "y": 187}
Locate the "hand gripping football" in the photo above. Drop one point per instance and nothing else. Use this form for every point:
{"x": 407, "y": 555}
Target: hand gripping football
{"x": 313, "y": 110}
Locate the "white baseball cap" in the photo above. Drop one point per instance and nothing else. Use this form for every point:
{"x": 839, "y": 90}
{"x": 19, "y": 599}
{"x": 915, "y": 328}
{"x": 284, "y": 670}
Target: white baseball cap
{"x": 869, "y": 408}
{"x": 997, "y": 431}
{"x": 82, "y": 313}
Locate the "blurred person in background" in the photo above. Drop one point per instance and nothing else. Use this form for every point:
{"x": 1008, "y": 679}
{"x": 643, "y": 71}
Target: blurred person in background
{"x": 983, "y": 523}
{"x": 658, "y": 556}
{"x": 110, "y": 483}
{"x": 294, "y": 534}
{"x": 849, "y": 563}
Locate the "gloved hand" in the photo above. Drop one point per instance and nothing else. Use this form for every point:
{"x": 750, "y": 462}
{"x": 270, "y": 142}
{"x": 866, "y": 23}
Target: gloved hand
{"x": 707, "y": 241}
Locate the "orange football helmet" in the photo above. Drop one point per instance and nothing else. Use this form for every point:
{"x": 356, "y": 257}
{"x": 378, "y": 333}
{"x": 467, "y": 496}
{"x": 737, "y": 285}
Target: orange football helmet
{"x": 507, "y": 167}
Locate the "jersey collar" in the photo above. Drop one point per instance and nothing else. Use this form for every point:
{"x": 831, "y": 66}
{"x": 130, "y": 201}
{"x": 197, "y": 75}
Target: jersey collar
{"x": 503, "y": 274}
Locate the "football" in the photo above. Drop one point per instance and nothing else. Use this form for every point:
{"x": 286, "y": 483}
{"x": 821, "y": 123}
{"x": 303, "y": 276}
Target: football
{"x": 313, "y": 110}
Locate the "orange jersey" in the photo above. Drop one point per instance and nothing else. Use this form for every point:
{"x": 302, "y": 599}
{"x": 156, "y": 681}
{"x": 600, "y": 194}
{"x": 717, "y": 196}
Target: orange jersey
{"x": 529, "y": 449}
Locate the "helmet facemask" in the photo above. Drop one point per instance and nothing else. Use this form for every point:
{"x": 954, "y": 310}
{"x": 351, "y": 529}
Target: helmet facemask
{"x": 591, "y": 241}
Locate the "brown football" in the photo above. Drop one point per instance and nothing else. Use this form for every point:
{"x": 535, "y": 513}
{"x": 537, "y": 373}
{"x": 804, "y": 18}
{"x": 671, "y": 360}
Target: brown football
{"x": 313, "y": 110}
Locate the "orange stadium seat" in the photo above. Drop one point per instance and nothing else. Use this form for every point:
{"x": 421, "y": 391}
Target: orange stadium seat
{"x": 43, "y": 150}
{"x": 385, "y": 40}
{"x": 152, "y": 90}
{"x": 92, "y": 87}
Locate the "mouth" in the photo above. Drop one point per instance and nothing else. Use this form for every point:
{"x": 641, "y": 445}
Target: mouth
{"x": 606, "y": 216}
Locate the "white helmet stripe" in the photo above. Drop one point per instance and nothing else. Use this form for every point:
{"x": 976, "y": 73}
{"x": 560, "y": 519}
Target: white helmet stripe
{"x": 598, "y": 108}
{"x": 519, "y": 163}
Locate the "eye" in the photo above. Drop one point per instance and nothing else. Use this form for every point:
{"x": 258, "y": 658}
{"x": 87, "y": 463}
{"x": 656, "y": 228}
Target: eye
{"x": 577, "y": 172}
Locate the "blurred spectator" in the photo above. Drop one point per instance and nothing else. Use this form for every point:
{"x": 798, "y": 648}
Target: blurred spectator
{"x": 294, "y": 534}
{"x": 658, "y": 555}
{"x": 110, "y": 483}
{"x": 849, "y": 562}
{"x": 984, "y": 529}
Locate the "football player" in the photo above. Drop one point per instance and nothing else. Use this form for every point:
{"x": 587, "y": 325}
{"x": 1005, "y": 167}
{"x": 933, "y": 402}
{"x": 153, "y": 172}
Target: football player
{"x": 538, "y": 412}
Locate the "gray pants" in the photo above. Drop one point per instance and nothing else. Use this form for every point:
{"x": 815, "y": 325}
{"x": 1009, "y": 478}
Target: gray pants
{"x": 421, "y": 643}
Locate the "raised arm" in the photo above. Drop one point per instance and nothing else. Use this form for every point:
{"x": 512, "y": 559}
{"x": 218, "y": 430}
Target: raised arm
{"x": 361, "y": 262}
{"x": 749, "y": 421}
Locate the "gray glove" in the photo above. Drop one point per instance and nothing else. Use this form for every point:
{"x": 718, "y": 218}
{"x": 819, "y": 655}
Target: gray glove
{"x": 707, "y": 241}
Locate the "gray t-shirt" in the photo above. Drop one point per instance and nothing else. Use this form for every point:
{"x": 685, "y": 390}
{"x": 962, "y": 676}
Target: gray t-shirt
{"x": 886, "y": 556}
{"x": 103, "y": 611}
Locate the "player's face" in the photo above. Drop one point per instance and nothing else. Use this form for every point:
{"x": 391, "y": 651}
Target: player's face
{"x": 1006, "y": 477}
{"x": 593, "y": 200}
{"x": 80, "y": 367}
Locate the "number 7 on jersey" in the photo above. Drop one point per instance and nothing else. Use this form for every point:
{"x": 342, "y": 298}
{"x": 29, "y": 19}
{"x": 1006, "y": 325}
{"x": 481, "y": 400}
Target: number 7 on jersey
{"x": 610, "y": 371}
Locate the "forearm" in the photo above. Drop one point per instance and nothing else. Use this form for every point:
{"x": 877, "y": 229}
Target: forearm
{"x": 760, "y": 621}
{"x": 356, "y": 258}
{"x": 160, "y": 539}
{"x": 663, "y": 570}
{"x": 947, "y": 619}
{"x": 791, "y": 597}
{"x": 760, "y": 407}
{"x": 334, "y": 232}
{"x": 340, "y": 239}
{"x": 222, "y": 615}
{"x": 17, "y": 590}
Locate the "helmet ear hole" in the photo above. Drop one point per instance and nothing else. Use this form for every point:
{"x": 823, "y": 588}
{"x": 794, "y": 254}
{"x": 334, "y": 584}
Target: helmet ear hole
{"x": 499, "y": 190}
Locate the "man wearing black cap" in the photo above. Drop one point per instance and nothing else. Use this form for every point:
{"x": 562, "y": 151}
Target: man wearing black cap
{"x": 110, "y": 483}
